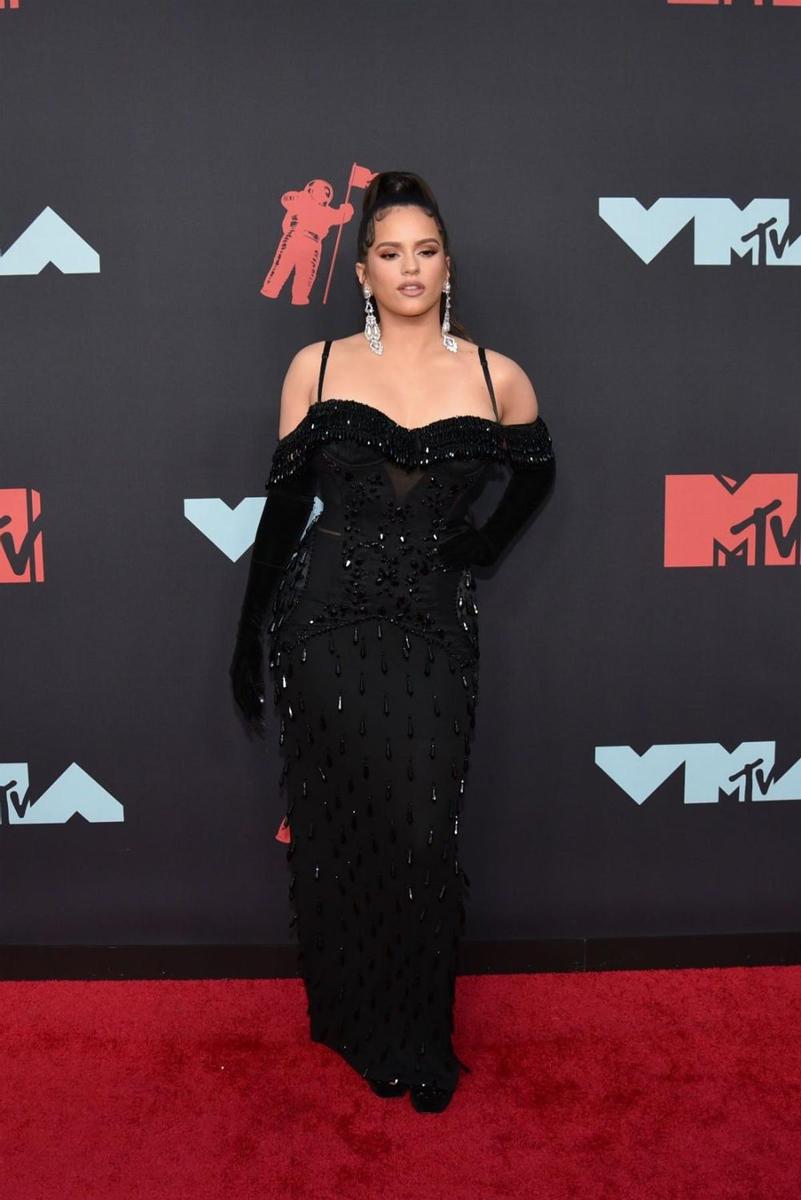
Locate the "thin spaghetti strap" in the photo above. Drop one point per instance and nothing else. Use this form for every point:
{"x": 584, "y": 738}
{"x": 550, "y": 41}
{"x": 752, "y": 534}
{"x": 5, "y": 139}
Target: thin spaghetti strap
{"x": 483, "y": 356}
{"x": 323, "y": 360}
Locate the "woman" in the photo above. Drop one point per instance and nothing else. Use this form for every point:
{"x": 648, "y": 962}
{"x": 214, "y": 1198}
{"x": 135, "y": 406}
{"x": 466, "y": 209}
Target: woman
{"x": 368, "y": 599}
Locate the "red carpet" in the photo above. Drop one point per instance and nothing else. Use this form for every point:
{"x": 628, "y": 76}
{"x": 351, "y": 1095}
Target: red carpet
{"x": 659, "y": 1085}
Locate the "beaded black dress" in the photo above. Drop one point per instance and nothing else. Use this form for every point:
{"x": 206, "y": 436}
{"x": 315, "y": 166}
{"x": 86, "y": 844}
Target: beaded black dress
{"x": 374, "y": 660}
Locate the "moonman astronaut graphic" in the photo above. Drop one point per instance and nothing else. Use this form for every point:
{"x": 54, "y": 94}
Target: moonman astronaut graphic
{"x": 309, "y": 217}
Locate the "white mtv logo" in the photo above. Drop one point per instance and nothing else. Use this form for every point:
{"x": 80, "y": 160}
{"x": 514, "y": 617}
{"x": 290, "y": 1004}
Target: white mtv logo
{"x": 719, "y": 226}
{"x": 747, "y": 772}
{"x": 73, "y": 792}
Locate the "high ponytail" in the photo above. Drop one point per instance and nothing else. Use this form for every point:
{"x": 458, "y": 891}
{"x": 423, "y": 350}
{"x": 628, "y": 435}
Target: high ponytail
{"x": 389, "y": 189}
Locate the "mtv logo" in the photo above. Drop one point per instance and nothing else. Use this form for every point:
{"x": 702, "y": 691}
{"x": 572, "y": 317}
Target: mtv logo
{"x": 74, "y": 792}
{"x": 747, "y": 773}
{"x": 759, "y": 231}
{"x": 714, "y": 521}
{"x": 21, "y": 556}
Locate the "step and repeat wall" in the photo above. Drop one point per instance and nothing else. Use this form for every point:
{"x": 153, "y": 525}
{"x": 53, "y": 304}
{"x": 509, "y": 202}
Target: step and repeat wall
{"x": 180, "y": 193}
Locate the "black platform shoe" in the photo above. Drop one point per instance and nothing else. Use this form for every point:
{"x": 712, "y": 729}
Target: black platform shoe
{"x": 388, "y": 1087}
{"x": 427, "y": 1097}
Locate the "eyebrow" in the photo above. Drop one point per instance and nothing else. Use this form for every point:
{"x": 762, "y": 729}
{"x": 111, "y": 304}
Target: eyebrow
{"x": 419, "y": 242}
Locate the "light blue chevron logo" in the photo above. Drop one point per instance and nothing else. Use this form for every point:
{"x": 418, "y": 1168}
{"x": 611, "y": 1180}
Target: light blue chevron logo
{"x": 233, "y": 530}
{"x": 759, "y": 231}
{"x": 49, "y": 239}
{"x": 746, "y": 774}
{"x": 74, "y": 793}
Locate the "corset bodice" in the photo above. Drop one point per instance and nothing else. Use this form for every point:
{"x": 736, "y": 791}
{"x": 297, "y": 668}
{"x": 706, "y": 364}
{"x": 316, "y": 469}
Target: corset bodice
{"x": 384, "y": 495}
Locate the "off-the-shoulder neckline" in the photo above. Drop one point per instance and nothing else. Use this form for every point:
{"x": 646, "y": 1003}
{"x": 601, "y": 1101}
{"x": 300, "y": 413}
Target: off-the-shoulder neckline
{"x": 409, "y": 428}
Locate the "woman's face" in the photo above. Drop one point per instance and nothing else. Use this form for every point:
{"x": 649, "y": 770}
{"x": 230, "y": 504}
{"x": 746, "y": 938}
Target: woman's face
{"x": 407, "y": 249}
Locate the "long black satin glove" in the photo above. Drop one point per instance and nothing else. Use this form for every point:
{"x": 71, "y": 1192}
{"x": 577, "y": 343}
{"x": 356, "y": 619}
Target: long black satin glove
{"x": 284, "y": 518}
{"x": 483, "y": 545}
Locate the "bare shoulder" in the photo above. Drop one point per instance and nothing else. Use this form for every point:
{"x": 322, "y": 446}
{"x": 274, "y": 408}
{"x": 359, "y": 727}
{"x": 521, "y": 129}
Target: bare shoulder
{"x": 514, "y": 391}
{"x": 306, "y": 362}
{"x": 297, "y": 391}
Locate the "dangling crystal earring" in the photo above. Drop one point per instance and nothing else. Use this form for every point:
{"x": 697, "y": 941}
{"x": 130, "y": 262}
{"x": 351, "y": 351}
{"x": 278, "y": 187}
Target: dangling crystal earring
{"x": 448, "y": 341}
{"x": 372, "y": 330}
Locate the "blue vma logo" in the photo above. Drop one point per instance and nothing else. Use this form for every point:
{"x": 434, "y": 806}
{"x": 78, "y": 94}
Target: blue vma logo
{"x": 74, "y": 793}
{"x": 747, "y": 774}
{"x": 233, "y": 530}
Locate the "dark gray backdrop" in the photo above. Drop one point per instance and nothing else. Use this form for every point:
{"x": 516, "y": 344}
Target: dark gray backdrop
{"x": 165, "y": 133}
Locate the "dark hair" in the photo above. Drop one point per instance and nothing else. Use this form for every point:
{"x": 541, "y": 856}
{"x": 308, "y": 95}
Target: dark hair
{"x": 389, "y": 189}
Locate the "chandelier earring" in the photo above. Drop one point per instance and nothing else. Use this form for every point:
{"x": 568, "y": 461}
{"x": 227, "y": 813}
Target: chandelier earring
{"x": 372, "y": 330}
{"x": 448, "y": 341}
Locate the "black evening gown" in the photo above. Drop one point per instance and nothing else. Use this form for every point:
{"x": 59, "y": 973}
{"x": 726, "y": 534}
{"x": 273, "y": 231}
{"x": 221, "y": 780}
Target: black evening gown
{"x": 374, "y": 656}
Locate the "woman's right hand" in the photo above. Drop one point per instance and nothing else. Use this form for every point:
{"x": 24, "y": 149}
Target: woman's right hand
{"x": 247, "y": 679}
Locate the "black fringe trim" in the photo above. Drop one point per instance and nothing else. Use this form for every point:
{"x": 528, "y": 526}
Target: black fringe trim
{"x": 460, "y": 437}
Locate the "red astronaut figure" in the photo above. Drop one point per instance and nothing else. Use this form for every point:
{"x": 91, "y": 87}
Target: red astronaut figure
{"x": 309, "y": 216}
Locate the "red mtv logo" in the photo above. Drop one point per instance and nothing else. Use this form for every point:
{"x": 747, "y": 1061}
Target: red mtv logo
{"x": 713, "y": 521}
{"x": 21, "y": 559}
